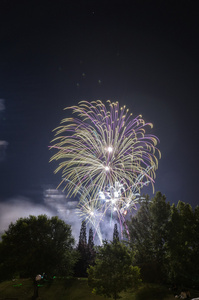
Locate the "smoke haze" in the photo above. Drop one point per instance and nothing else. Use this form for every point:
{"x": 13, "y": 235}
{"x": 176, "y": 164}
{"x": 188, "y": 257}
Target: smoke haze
{"x": 20, "y": 207}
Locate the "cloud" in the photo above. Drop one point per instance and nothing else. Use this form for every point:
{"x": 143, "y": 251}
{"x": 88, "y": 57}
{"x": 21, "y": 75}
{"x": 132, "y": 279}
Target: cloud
{"x": 64, "y": 208}
{"x": 18, "y": 207}
{"x": 54, "y": 204}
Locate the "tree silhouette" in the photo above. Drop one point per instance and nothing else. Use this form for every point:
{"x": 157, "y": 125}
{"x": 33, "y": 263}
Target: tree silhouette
{"x": 113, "y": 271}
{"x": 35, "y": 245}
{"x": 115, "y": 234}
{"x": 82, "y": 248}
{"x": 86, "y": 251}
{"x": 90, "y": 239}
{"x": 91, "y": 250}
{"x": 82, "y": 236}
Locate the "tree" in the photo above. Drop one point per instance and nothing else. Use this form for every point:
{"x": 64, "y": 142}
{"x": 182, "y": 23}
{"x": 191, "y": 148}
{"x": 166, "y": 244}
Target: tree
{"x": 113, "y": 271}
{"x": 90, "y": 248}
{"x": 148, "y": 234}
{"x": 115, "y": 234}
{"x": 35, "y": 245}
{"x": 180, "y": 247}
{"x": 82, "y": 248}
{"x": 165, "y": 240}
{"x": 195, "y": 247}
{"x": 90, "y": 239}
{"x": 82, "y": 236}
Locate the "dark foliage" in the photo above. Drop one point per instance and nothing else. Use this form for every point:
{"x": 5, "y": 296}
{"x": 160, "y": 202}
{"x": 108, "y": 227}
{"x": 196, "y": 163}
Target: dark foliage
{"x": 113, "y": 271}
{"x": 86, "y": 252}
{"x": 115, "y": 234}
{"x": 35, "y": 245}
{"x": 91, "y": 249}
{"x": 165, "y": 239}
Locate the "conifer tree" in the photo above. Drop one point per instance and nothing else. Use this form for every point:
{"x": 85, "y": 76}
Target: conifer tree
{"x": 82, "y": 236}
{"x": 91, "y": 250}
{"x": 115, "y": 234}
{"x": 82, "y": 264}
{"x": 90, "y": 239}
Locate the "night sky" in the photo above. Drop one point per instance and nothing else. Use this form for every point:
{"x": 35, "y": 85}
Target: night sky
{"x": 54, "y": 54}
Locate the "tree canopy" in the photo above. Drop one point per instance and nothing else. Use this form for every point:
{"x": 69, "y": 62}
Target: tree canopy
{"x": 35, "y": 245}
{"x": 113, "y": 271}
{"x": 165, "y": 239}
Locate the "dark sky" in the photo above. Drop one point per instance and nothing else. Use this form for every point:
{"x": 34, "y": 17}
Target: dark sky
{"x": 56, "y": 53}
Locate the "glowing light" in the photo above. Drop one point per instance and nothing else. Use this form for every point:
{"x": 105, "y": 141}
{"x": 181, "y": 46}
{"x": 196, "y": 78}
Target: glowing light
{"x": 110, "y": 149}
{"x": 113, "y": 200}
{"x": 116, "y": 194}
{"x": 105, "y": 157}
{"x": 101, "y": 195}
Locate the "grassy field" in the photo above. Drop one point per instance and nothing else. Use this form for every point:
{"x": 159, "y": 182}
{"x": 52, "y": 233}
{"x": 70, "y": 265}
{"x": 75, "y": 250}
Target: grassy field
{"x": 58, "y": 289}
{"x": 74, "y": 289}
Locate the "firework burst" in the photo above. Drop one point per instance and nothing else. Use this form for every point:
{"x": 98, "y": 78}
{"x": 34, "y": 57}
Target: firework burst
{"x": 105, "y": 156}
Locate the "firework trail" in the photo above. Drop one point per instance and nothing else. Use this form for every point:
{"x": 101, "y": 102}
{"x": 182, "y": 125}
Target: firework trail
{"x": 106, "y": 157}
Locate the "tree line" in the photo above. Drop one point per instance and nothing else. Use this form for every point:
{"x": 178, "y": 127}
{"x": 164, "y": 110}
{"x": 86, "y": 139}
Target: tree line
{"x": 161, "y": 244}
{"x": 165, "y": 241}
